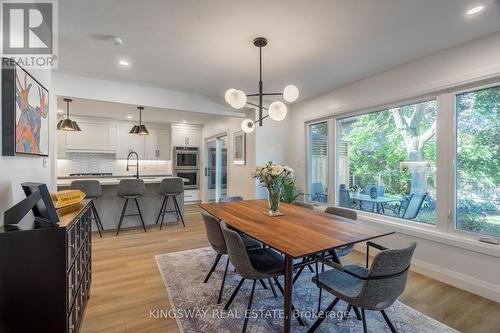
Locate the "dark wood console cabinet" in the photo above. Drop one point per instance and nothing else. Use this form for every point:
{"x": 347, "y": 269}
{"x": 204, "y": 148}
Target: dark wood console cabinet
{"x": 46, "y": 273}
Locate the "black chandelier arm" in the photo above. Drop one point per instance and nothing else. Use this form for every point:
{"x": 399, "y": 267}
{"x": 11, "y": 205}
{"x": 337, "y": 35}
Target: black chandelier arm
{"x": 260, "y": 119}
{"x": 257, "y": 105}
{"x": 265, "y": 94}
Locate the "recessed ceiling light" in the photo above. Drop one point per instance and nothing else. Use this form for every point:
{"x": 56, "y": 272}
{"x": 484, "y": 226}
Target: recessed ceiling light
{"x": 184, "y": 121}
{"x": 124, "y": 63}
{"x": 129, "y": 117}
{"x": 60, "y": 111}
{"x": 475, "y": 10}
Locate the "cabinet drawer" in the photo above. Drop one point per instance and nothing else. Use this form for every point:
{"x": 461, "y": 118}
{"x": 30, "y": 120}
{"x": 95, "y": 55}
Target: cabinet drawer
{"x": 71, "y": 284}
{"x": 71, "y": 245}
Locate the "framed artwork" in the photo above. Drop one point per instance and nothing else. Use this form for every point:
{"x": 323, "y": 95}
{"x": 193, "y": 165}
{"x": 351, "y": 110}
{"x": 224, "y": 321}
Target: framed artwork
{"x": 239, "y": 148}
{"x": 25, "y": 113}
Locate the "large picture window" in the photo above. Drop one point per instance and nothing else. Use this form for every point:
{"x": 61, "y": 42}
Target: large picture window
{"x": 386, "y": 162}
{"x": 318, "y": 162}
{"x": 478, "y": 161}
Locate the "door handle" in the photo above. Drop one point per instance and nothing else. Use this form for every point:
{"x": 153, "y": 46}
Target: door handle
{"x": 206, "y": 172}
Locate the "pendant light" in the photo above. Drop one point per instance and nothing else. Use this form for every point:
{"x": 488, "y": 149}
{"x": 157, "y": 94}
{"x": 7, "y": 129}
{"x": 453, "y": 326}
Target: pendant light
{"x": 139, "y": 129}
{"x": 68, "y": 124}
{"x": 277, "y": 110}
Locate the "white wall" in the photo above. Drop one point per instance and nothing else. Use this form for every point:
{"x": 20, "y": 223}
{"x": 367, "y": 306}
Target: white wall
{"x": 476, "y": 61}
{"x": 239, "y": 182}
{"x": 18, "y": 169}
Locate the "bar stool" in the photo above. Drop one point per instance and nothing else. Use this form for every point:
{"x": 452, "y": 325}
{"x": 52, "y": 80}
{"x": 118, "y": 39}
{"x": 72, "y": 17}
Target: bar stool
{"x": 92, "y": 190}
{"x": 171, "y": 187}
{"x": 131, "y": 189}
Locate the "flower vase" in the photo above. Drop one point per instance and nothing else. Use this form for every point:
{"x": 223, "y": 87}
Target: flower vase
{"x": 273, "y": 198}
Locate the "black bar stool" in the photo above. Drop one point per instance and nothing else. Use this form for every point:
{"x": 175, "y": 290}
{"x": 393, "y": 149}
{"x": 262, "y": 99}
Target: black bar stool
{"x": 92, "y": 190}
{"x": 131, "y": 189}
{"x": 171, "y": 188}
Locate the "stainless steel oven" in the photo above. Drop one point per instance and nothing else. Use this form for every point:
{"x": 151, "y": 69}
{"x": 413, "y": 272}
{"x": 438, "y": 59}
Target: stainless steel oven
{"x": 193, "y": 177}
{"x": 186, "y": 158}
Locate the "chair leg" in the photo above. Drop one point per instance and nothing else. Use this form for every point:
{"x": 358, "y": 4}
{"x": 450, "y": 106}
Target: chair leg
{"x": 161, "y": 209}
{"x": 299, "y": 320}
{"x": 178, "y": 209}
{"x": 320, "y": 289}
{"x": 217, "y": 258}
{"x": 363, "y": 316}
{"x": 233, "y": 295}
{"x": 272, "y": 287}
{"x": 322, "y": 316}
{"x": 97, "y": 216}
{"x": 121, "y": 217}
{"x": 263, "y": 284}
{"x": 245, "y": 323}
{"x": 297, "y": 275}
{"x": 164, "y": 211}
{"x": 389, "y": 323}
{"x": 356, "y": 311}
{"x": 140, "y": 214}
{"x": 223, "y": 282}
{"x": 94, "y": 213}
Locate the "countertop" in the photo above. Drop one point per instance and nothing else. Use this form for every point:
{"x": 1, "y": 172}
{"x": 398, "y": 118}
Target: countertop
{"x": 113, "y": 180}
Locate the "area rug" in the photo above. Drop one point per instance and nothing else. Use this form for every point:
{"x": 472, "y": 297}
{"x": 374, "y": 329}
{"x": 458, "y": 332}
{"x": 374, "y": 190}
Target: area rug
{"x": 194, "y": 303}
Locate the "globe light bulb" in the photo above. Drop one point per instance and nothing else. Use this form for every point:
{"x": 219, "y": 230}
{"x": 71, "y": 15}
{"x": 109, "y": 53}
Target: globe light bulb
{"x": 247, "y": 126}
{"x": 226, "y": 95}
{"x": 290, "y": 93}
{"x": 237, "y": 99}
{"x": 277, "y": 111}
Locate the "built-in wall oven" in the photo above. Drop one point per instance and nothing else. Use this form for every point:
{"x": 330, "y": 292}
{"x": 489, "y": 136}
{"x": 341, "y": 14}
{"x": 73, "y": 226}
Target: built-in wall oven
{"x": 193, "y": 177}
{"x": 186, "y": 158}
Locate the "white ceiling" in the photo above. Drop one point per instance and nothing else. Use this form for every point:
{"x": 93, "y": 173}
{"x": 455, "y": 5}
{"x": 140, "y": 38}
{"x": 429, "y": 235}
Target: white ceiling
{"x": 83, "y": 107}
{"x": 206, "y": 47}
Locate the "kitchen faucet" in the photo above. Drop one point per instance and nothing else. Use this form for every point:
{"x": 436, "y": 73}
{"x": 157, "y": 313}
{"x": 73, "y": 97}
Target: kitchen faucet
{"x": 136, "y": 162}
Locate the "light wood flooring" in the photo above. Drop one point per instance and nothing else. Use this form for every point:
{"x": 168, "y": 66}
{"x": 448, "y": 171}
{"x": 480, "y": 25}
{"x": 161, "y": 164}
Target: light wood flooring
{"x": 127, "y": 284}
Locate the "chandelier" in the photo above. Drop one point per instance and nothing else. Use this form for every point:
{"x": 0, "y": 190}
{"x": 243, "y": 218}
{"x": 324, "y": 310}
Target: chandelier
{"x": 277, "y": 110}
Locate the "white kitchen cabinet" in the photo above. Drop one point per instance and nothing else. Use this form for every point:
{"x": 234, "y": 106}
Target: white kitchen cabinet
{"x": 157, "y": 144}
{"x": 186, "y": 136}
{"x": 61, "y": 144}
{"x": 127, "y": 142}
{"x": 94, "y": 137}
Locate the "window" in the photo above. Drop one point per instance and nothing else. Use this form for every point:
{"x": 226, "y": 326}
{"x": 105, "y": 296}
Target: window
{"x": 318, "y": 162}
{"x": 386, "y": 162}
{"x": 478, "y": 162}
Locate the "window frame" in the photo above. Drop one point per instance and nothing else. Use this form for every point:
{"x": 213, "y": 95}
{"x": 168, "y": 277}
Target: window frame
{"x": 444, "y": 230}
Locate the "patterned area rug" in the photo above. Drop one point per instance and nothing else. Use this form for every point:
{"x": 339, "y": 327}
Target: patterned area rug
{"x": 195, "y": 309}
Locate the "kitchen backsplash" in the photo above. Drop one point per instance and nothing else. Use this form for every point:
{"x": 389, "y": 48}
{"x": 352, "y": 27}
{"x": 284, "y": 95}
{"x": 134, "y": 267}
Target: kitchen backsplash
{"x": 106, "y": 163}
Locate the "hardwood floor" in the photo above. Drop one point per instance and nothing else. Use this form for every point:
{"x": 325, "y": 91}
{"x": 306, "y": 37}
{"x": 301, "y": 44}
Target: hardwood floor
{"x": 126, "y": 284}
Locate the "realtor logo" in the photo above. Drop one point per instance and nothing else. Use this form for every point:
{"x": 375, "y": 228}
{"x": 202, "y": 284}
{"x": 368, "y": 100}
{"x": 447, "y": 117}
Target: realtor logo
{"x": 27, "y": 27}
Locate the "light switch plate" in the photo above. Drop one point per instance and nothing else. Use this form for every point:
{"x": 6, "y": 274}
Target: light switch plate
{"x": 45, "y": 162}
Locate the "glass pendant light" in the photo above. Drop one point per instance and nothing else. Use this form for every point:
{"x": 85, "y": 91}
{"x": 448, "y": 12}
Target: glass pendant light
{"x": 68, "y": 124}
{"x": 139, "y": 129}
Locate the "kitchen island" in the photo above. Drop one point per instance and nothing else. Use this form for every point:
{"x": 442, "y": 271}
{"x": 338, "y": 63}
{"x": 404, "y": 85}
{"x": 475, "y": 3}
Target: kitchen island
{"x": 109, "y": 206}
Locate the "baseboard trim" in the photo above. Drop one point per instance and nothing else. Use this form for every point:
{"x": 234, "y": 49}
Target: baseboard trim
{"x": 475, "y": 286}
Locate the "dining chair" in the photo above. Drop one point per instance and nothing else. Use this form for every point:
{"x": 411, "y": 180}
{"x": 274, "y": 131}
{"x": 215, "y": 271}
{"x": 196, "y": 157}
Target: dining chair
{"x": 93, "y": 190}
{"x": 303, "y": 204}
{"x": 216, "y": 240}
{"x": 372, "y": 288}
{"x": 318, "y": 192}
{"x": 414, "y": 205}
{"x": 256, "y": 265}
{"x": 130, "y": 189}
{"x": 230, "y": 199}
{"x": 171, "y": 187}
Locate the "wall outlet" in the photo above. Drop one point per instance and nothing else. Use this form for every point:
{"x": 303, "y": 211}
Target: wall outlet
{"x": 45, "y": 162}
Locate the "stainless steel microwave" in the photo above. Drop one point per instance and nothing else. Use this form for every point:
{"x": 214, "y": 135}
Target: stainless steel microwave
{"x": 186, "y": 158}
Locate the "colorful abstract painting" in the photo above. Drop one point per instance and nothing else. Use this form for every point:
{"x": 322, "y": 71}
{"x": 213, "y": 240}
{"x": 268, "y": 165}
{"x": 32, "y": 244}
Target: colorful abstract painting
{"x": 32, "y": 115}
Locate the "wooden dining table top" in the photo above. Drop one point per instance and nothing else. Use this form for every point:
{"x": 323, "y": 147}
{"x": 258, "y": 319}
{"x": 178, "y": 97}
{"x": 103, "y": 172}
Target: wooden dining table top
{"x": 299, "y": 232}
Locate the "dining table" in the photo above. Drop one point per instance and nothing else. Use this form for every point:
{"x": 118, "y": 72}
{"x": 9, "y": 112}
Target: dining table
{"x": 297, "y": 233}
{"x": 378, "y": 202}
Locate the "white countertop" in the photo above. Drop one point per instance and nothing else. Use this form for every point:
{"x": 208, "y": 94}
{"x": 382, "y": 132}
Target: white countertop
{"x": 114, "y": 180}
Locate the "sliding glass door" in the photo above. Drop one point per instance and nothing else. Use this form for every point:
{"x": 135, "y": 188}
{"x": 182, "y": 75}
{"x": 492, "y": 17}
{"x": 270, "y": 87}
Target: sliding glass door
{"x": 216, "y": 168}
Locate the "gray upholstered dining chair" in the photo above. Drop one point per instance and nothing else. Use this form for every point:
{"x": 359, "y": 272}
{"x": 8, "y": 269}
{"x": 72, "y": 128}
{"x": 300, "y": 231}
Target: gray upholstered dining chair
{"x": 303, "y": 204}
{"x": 130, "y": 189}
{"x": 92, "y": 189}
{"x": 171, "y": 187}
{"x": 216, "y": 240}
{"x": 256, "y": 265}
{"x": 230, "y": 199}
{"x": 375, "y": 288}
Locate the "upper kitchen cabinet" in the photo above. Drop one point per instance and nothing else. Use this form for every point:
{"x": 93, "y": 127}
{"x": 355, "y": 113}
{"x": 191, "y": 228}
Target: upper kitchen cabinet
{"x": 184, "y": 135}
{"x": 128, "y": 142}
{"x": 157, "y": 144}
{"x": 94, "y": 137}
{"x": 61, "y": 144}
